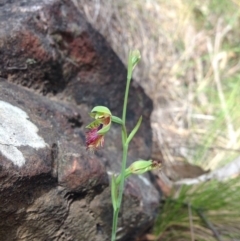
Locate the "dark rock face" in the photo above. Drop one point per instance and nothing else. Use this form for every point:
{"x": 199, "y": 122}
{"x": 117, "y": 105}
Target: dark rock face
{"x": 55, "y": 68}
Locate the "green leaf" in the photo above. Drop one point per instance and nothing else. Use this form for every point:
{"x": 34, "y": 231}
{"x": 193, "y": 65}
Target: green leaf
{"x": 117, "y": 120}
{"x": 134, "y": 131}
{"x": 114, "y": 191}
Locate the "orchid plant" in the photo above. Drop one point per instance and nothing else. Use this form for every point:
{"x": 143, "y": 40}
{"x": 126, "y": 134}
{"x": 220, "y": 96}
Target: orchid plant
{"x": 103, "y": 119}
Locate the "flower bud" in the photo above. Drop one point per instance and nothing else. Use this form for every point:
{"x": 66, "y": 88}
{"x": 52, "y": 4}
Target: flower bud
{"x": 135, "y": 57}
{"x": 139, "y": 167}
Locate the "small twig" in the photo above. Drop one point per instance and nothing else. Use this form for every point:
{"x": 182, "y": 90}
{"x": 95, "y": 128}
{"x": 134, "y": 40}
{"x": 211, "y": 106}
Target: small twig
{"x": 191, "y": 221}
{"x": 211, "y": 148}
{"x": 97, "y": 10}
{"x": 71, "y": 61}
{"x": 4, "y": 144}
{"x": 209, "y": 225}
{"x": 203, "y": 117}
{"x": 16, "y": 67}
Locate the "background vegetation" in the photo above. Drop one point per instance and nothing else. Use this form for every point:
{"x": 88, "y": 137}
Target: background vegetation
{"x": 190, "y": 68}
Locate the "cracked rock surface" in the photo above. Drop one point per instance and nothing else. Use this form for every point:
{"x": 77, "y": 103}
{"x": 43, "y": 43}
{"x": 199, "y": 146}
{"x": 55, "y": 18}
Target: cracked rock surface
{"x": 54, "y": 69}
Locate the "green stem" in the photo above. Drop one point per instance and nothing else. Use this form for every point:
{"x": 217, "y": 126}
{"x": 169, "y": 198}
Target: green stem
{"x": 125, "y": 151}
{"x": 121, "y": 186}
{"x": 129, "y": 76}
{"x": 120, "y": 193}
{"x": 114, "y": 224}
{"x": 124, "y": 135}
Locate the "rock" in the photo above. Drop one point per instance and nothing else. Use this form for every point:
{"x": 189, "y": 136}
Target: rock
{"x": 55, "y": 68}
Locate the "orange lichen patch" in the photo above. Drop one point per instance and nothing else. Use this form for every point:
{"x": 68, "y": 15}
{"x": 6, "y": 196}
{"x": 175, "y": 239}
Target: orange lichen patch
{"x": 81, "y": 50}
{"x": 33, "y": 46}
{"x": 79, "y": 172}
{"x": 75, "y": 166}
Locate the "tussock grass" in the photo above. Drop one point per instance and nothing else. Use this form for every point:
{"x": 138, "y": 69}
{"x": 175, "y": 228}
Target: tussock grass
{"x": 201, "y": 213}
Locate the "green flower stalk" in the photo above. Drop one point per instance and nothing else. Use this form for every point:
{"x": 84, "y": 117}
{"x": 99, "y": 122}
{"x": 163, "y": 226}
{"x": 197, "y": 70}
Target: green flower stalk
{"x": 95, "y": 139}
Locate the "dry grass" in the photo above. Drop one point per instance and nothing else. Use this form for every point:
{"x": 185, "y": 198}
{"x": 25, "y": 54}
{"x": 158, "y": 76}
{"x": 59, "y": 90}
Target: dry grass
{"x": 190, "y": 69}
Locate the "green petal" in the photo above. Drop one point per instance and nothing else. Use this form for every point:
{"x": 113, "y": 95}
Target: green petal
{"x": 105, "y": 129}
{"x": 98, "y": 111}
{"x": 93, "y": 124}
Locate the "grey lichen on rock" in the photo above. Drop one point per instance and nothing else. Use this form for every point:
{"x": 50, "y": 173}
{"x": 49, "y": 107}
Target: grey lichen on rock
{"x": 15, "y": 131}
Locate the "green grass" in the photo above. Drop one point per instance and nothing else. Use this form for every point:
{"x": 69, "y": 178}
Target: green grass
{"x": 209, "y": 208}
